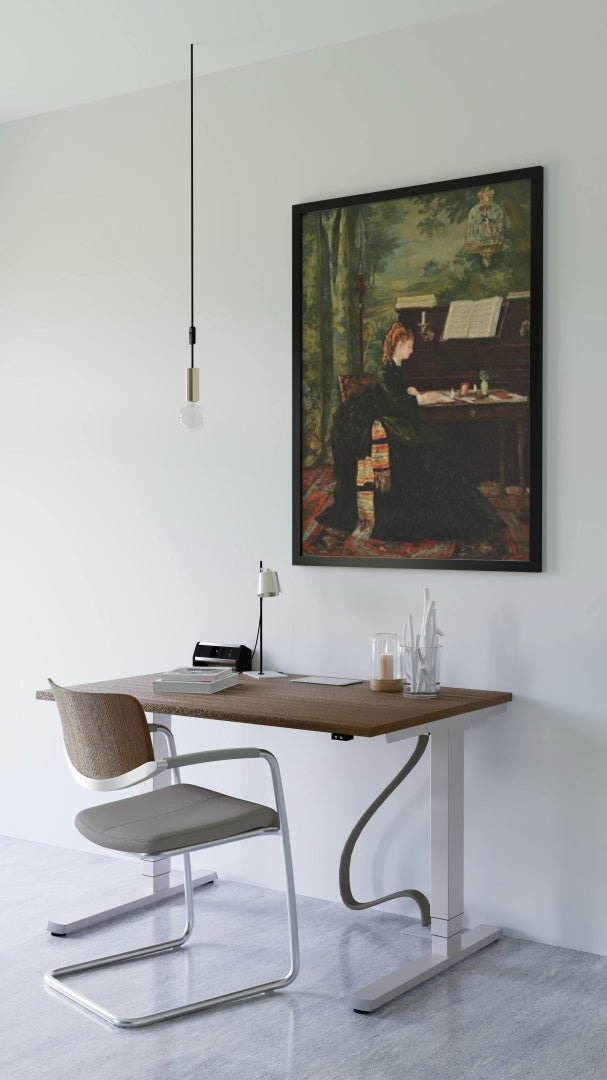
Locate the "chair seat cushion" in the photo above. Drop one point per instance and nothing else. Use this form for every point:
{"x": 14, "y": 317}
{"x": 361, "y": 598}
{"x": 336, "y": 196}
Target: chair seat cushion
{"x": 178, "y": 816}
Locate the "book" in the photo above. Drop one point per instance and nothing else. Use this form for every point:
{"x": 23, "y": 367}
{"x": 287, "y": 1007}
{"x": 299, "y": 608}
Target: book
{"x": 427, "y": 300}
{"x": 435, "y": 397}
{"x": 472, "y": 318}
{"x": 506, "y": 395}
{"x": 181, "y": 686}
{"x": 196, "y": 674}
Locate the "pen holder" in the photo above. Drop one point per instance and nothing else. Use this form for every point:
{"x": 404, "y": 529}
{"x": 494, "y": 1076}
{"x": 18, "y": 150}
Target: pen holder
{"x": 386, "y": 672}
{"x": 421, "y": 670}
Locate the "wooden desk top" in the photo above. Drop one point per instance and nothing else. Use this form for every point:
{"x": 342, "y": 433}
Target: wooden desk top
{"x": 345, "y": 710}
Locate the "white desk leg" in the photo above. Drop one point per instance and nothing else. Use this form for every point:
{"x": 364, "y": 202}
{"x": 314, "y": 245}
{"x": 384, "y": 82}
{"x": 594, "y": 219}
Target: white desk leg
{"x": 450, "y": 943}
{"x": 157, "y": 880}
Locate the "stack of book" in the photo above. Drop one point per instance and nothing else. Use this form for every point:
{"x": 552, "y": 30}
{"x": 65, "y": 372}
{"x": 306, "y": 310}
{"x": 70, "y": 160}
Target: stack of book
{"x": 197, "y": 680}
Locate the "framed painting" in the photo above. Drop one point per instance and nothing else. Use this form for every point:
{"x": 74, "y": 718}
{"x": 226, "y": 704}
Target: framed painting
{"x": 417, "y": 376}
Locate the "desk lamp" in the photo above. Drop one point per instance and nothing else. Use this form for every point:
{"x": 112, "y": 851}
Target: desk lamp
{"x": 268, "y": 585}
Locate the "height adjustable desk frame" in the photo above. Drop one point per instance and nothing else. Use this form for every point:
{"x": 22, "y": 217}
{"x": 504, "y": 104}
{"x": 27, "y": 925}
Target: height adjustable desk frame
{"x": 343, "y": 712}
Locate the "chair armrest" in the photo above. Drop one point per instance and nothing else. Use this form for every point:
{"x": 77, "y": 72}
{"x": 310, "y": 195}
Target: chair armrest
{"x": 209, "y": 755}
{"x": 168, "y": 734}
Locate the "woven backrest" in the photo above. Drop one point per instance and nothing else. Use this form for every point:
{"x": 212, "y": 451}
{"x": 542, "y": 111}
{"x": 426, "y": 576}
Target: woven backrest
{"x": 105, "y": 735}
{"x": 351, "y": 385}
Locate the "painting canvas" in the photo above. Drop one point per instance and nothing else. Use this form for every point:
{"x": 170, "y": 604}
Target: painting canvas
{"x": 417, "y": 376}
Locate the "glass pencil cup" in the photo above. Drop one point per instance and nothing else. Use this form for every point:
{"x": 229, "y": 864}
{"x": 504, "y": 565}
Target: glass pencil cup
{"x": 421, "y": 670}
{"x": 386, "y": 671}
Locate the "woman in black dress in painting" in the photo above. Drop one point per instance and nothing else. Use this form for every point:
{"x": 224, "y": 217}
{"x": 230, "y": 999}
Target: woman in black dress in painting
{"x": 395, "y": 477}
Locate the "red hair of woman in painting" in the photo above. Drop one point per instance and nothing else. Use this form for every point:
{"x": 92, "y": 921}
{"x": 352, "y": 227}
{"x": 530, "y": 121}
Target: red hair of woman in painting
{"x": 397, "y": 332}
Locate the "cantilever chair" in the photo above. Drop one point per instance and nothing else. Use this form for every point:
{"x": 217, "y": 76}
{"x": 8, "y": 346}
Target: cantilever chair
{"x": 108, "y": 747}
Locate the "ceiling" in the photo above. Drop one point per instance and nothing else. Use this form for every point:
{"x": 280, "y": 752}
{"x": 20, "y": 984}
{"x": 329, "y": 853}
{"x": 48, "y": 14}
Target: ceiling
{"x": 59, "y": 53}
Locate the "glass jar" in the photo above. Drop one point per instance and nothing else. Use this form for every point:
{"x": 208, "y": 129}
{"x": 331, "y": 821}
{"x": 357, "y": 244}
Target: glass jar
{"x": 421, "y": 670}
{"x": 386, "y": 671}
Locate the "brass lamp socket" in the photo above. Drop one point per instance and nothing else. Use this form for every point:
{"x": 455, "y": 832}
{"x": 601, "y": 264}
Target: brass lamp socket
{"x": 192, "y": 388}
{"x": 387, "y": 686}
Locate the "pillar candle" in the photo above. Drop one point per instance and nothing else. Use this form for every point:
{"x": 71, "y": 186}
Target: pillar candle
{"x": 386, "y": 666}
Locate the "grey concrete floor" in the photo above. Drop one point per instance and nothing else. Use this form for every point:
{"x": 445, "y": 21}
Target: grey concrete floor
{"x": 517, "y": 1009}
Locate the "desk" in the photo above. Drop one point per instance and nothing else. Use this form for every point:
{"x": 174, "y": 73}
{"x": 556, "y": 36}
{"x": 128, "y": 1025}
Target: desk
{"x": 353, "y": 711}
{"x": 499, "y": 409}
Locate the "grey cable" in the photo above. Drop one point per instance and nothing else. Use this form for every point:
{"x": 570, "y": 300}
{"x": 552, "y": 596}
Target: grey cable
{"x": 346, "y": 856}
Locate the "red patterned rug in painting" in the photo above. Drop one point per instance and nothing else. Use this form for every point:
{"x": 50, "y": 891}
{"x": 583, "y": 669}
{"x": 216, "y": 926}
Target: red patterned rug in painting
{"x": 511, "y": 543}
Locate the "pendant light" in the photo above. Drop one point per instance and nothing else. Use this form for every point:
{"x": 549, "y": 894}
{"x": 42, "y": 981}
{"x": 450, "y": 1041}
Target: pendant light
{"x": 191, "y": 416}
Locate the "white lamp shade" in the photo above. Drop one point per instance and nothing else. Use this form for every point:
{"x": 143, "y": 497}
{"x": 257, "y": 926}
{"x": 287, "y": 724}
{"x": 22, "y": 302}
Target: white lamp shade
{"x": 269, "y": 584}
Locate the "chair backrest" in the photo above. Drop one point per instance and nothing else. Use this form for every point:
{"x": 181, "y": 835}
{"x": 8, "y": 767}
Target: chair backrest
{"x": 105, "y": 735}
{"x": 351, "y": 385}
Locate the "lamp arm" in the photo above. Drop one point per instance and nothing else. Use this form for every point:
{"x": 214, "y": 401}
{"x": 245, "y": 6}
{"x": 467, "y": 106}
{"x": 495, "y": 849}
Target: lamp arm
{"x": 261, "y": 635}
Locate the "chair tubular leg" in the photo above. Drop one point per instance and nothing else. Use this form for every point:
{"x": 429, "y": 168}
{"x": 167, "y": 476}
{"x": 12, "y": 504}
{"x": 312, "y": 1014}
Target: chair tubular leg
{"x": 54, "y": 979}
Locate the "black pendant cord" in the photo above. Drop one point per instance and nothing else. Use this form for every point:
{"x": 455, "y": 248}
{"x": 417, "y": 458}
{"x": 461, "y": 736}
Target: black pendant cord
{"x": 192, "y": 327}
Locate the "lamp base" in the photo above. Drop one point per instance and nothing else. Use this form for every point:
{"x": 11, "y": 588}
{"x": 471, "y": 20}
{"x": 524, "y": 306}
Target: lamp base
{"x": 265, "y": 674}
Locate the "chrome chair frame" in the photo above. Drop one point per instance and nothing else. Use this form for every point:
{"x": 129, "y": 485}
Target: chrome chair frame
{"x": 54, "y": 978}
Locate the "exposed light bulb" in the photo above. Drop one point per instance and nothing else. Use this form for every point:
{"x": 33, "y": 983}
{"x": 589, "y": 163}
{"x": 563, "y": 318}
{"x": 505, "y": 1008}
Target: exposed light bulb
{"x": 192, "y": 416}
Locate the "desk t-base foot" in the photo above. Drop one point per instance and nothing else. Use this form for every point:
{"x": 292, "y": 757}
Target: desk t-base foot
{"x": 420, "y": 970}
{"x": 141, "y": 900}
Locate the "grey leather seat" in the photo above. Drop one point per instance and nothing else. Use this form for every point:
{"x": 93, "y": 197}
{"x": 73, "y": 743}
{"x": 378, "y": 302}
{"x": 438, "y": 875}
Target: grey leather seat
{"x": 179, "y": 816}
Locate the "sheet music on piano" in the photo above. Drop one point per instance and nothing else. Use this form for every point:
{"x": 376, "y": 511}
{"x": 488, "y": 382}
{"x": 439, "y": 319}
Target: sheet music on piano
{"x": 472, "y": 318}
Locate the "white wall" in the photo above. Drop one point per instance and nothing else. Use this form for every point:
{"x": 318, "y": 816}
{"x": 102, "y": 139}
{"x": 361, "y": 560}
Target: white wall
{"x": 125, "y": 539}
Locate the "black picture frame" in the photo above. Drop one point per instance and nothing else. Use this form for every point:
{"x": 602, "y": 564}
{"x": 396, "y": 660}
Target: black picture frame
{"x": 463, "y": 461}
